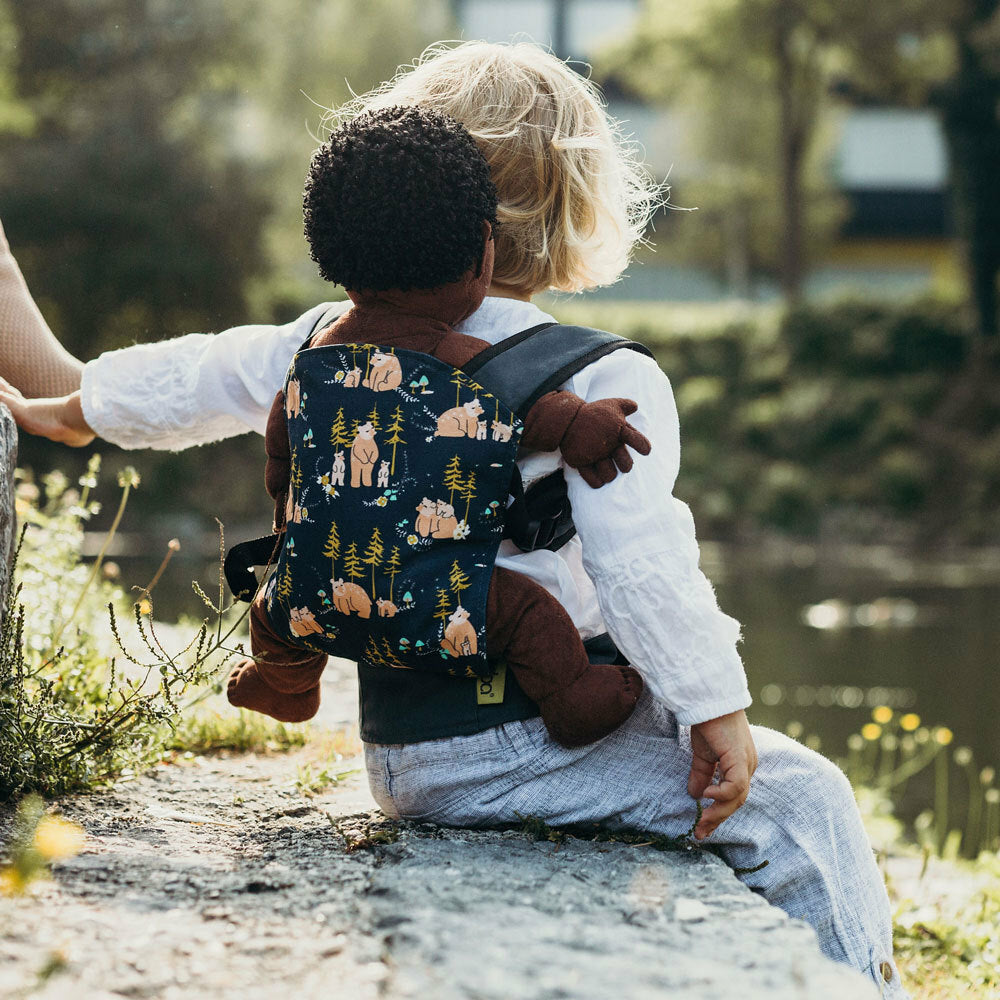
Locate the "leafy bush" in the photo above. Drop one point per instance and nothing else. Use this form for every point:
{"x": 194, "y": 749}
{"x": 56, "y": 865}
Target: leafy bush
{"x": 788, "y": 421}
{"x": 78, "y": 704}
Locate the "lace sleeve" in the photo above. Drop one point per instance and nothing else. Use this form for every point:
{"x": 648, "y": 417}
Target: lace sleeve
{"x": 194, "y": 389}
{"x": 639, "y": 549}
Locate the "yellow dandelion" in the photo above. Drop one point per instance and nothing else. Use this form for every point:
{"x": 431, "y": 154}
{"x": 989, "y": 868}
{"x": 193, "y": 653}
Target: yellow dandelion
{"x": 882, "y": 714}
{"x": 145, "y": 606}
{"x": 57, "y": 839}
{"x": 910, "y": 721}
{"x": 12, "y": 882}
{"x": 871, "y": 731}
{"x": 943, "y": 735}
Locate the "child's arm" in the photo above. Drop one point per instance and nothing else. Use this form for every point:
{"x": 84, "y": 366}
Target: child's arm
{"x": 59, "y": 419}
{"x": 594, "y": 437}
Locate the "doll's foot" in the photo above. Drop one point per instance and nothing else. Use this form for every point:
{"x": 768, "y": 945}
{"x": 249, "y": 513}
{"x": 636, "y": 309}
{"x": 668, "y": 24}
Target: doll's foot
{"x": 247, "y": 689}
{"x": 593, "y": 706}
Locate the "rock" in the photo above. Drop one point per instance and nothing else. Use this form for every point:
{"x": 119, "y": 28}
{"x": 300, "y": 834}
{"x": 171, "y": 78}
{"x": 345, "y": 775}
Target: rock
{"x": 479, "y": 914}
{"x": 8, "y": 519}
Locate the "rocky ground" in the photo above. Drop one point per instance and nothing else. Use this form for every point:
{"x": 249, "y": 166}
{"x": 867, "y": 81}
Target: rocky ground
{"x": 215, "y": 877}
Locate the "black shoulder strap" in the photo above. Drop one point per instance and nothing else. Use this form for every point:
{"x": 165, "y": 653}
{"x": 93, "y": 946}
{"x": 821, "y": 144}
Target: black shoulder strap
{"x": 523, "y": 368}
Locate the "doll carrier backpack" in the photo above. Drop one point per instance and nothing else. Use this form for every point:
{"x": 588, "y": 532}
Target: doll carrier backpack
{"x": 403, "y": 484}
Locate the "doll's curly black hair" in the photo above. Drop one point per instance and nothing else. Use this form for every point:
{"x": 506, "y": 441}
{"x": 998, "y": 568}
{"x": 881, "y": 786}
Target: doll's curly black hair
{"x": 396, "y": 198}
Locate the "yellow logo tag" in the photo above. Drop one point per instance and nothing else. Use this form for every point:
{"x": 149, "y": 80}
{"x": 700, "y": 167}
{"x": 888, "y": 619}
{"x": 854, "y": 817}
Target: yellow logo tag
{"x": 489, "y": 690}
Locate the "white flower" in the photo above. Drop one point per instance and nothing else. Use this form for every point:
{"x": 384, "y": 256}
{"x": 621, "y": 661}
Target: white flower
{"x": 462, "y": 531}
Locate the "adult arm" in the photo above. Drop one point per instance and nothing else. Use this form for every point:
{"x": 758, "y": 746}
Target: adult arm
{"x": 194, "y": 389}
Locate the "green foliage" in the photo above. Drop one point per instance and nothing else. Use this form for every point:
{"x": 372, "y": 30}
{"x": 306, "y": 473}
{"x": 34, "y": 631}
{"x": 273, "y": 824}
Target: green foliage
{"x": 208, "y": 731}
{"x": 797, "y": 421}
{"x": 70, "y": 716}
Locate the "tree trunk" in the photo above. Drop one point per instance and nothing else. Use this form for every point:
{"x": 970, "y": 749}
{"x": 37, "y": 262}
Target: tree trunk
{"x": 971, "y": 122}
{"x": 792, "y": 265}
{"x": 8, "y": 521}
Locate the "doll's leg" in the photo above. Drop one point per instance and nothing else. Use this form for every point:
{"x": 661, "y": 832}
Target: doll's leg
{"x": 31, "y": 358}
{"x": 283, "y": 680}
{"x": 580, "y": 701}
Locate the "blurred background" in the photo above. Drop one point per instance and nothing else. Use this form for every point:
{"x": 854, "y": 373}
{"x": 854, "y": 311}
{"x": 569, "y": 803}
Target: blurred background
{"x": 821, "y": 290}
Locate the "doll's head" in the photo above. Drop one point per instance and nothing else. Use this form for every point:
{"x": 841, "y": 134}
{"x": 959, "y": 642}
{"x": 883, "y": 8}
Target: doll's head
{"x": 400, "y": 201}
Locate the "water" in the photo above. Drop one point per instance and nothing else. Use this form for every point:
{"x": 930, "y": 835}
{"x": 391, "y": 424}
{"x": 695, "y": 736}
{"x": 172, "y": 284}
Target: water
{"x": 920, "y": 639}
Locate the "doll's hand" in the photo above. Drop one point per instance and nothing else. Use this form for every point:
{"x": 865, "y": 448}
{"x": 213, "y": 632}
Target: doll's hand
{"x": 59, "y": 419}
{"x": 597, "y": 441}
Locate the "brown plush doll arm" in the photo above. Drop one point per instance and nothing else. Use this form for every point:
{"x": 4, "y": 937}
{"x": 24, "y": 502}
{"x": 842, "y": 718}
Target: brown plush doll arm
{"x": 278, "y": 469}
{"x": 594, "y": 438}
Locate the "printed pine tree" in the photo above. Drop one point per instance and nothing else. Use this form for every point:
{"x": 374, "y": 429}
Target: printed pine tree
{"x": 368, "y": 348}
{"x": 373, "y": 417}
{"x": 285, "y": 583}
{"x": 458, "y": 380}
{"x": 338, "y": 437}
{"x": 395, "y": 426}
{"x": 443, "y": 606}
{"x": 453, "y": 478}
{"x": 352, "y": 564}
{"x": 373, "y": 555}
{"x": 458, "y": 581}
{"x": 391, "y": 658}
{"x": 332, "y": 550}
{"x": 392, "y": 567}
{"x": 373, "y": 654}
{"x": 469, "y": 492}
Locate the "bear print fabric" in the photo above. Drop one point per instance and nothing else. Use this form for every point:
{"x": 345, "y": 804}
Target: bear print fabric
{"x": 394, "y": 510}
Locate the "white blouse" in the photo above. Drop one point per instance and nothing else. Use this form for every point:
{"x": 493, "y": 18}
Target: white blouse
{"x": 632, "y": 569}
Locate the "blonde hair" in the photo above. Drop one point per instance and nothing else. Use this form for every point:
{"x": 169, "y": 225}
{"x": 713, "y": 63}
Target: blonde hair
{"x": 574, "y": 196}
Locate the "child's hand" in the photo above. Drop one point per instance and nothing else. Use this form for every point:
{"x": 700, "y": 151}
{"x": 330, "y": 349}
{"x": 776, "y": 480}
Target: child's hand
{"x": 597, "y": 441}
{"x": 726, "y": 744}
{"x": 59, "y": 419}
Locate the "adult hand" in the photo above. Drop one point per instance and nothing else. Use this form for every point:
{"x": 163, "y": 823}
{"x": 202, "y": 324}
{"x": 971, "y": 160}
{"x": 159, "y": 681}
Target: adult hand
{"x": 727, "y": 744}
{"x": 59, "y": 419}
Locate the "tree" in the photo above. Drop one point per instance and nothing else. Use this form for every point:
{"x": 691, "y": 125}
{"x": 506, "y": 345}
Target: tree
{"x": 373, "y": 418}
{"x": 285, "y": 583}
{"x": 373, "y": 555}
{"x": 458, "y": 380}
{"x": 352, "y": 564}
{"x": 458, "y": 581}
{"x": 132, "y": 217}
{"x": 392, "y": 567}
{"x": 394, "y": 432}
{"x": 469, "y": 492}
{"x": 750, "y": 78}
{"x": 332, "y": 550}
{"x": 443, "y": 610}
{"x": 453, "y": 478}
{"x": 337, "y": 436}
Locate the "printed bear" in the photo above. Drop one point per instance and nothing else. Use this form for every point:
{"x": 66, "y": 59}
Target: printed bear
{"x": 384, "y": 373}
{"x": 386, "y": 609}
{"x": 460, "y": 637}
{"x": 337, "y": 476}
{"x": 460, "y": 421}
{"x": 303, "y": 622}
{"x": 426, "y": 517}
{"x": 502, "y": 432}
{"x": 352, "y": 379}
{"x": 481, "y": 430}
{"x": 293, "y": 403}
{"x": 348, "y": 597}
{"x": 446, "y": 521}
{"x": 383, "y": 474}
{"x": 364, "y": 454}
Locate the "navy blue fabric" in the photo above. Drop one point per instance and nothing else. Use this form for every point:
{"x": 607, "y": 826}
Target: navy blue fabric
{"x": 400, "y": 473}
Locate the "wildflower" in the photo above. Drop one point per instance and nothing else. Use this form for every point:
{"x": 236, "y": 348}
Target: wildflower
{"x": 381, "y": 502}
{"x": 910, "y": 721}
{"x": 145, "y": 607}
{"x": 882, "y": 714}
{"x": 871, "y": 731}
{"x": 462, "y": 531}
{"x": 411, "y": 539}
{"x": 12, "y": 882}
{"x": 57, "y": 839}
{"x": 943, "y": 735}
{"x": 963, "y": 756}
